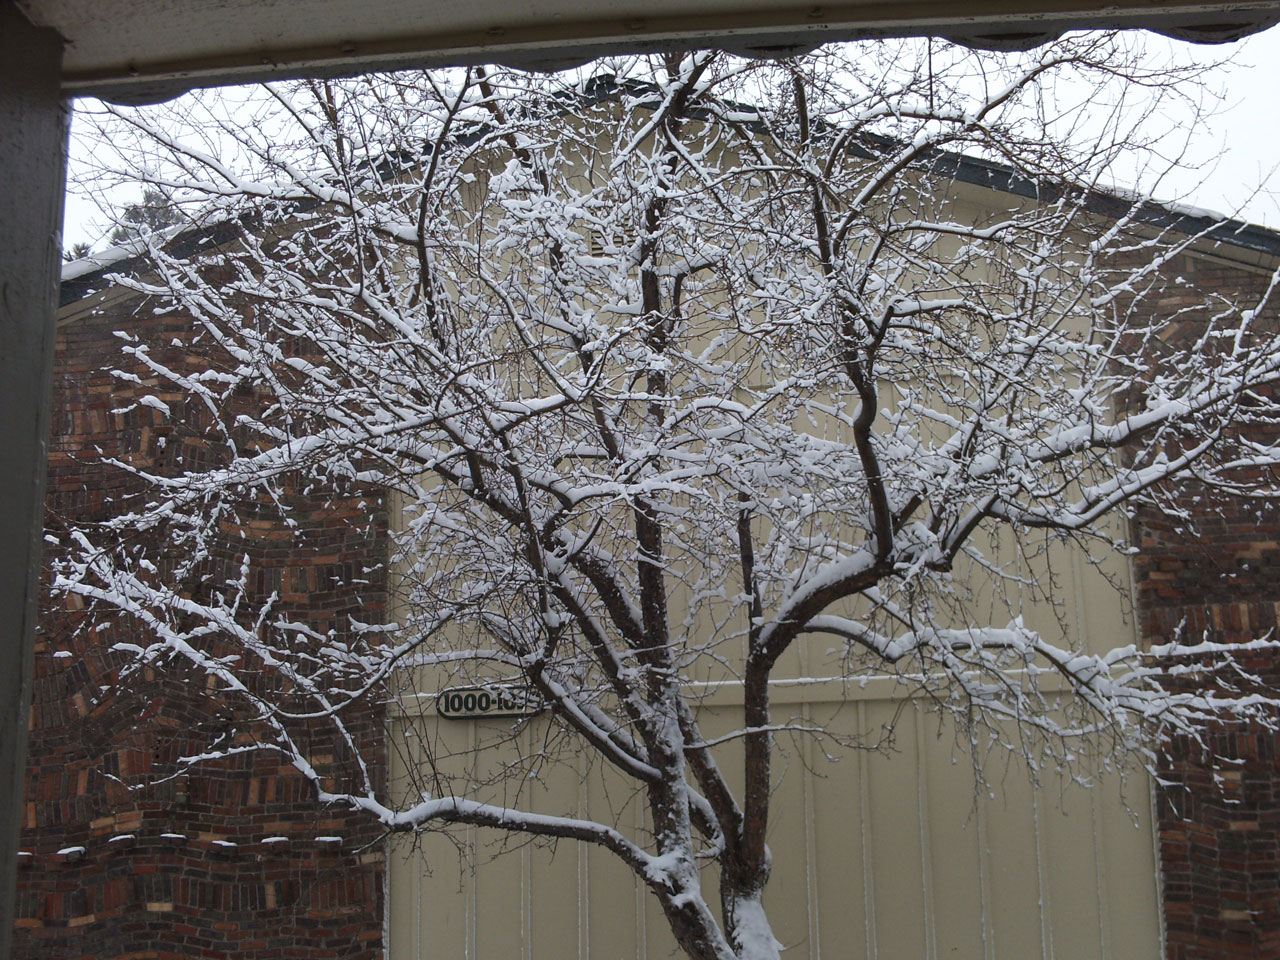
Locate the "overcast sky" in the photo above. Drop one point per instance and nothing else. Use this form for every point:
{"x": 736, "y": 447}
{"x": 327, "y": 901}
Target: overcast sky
{"x": 1237, "y": 150}
{"x": 1241, "y": 146}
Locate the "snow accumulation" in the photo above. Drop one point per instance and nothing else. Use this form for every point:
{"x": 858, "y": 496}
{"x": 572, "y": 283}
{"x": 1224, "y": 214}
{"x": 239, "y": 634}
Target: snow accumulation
{"x": 120, "y": 253}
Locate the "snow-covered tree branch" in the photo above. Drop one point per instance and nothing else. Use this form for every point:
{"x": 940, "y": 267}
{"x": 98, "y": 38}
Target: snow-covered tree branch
{"x": 668, "y": 365}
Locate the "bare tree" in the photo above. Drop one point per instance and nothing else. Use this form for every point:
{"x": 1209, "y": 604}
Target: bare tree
{"x": 669, "y": 363}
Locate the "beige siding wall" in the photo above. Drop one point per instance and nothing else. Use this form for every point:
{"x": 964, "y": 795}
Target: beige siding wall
{"x": 884, "y": 854}
{"x": 877, "y": 855}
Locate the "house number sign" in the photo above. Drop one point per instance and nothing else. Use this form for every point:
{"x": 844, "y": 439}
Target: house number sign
{"x": 490, "y": 700}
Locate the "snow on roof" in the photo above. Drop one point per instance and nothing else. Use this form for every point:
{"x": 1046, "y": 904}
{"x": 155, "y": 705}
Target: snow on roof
{"x": 82, "y": 277}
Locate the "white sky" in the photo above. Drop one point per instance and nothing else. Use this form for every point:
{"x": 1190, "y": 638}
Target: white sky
{"x": 1241, "y": 145}
{"x": 1237, "y": 150}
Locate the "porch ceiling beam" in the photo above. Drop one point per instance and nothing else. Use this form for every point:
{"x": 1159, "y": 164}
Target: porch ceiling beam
{"x": 136, "y": 50}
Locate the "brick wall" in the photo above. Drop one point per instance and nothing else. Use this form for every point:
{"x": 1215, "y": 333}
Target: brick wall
{"x": 235, "y": 858}
{"x": 1218, "y": 820}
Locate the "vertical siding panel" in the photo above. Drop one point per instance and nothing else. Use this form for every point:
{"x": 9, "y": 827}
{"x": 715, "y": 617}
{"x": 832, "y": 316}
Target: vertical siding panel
{"x": 439, "y": 924}
{"x": 984, "y": 872}
{"x": 445, "y": 888}
{"x": 611, "y": 903}
{"x": 526, "y": 869}
{"x": 923, "y": 801}
{"x": 787, "y": 890}
{"x": 810, "y": 837}
{"x": 868, "y": 854}
{"x": 471, "y": 879}
{"x": 810, "y": 842}
{"x": 526, "y": 903}
{"x": 954, "y": 853}
{"x": 553, "y": 884}
{"x": 473, "y": 852}
{"x": 839, "y": 859}
{"x": 1015, "y": 897}
{"x": 499, "y": 924}
{"x": 641, "y": 891}
{"x": 1042, "y": 881}
{"x": 498, "y": 859}
{"x": 404, "y": 862}
{"x": 1070, "y": 851}
{"x": 895, "y": 840}
{"x": 584, "y": 866}
{"x": 404, "y": 901}
{"x": 1130, "y": 898}
{"x": 1100, "y": 878}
